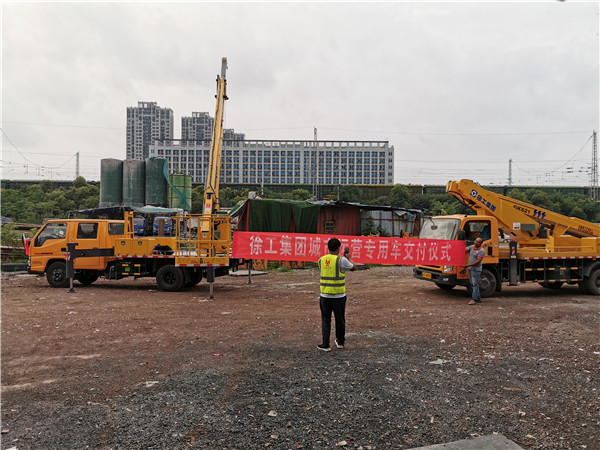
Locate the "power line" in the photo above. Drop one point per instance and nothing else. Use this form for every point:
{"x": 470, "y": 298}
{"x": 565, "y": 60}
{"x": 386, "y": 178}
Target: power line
{"x": 580, "y": 150}
{"x": 15, "y": 147}
{"x": 60, "y": 154}
{"x": 42, "y": 166}
{"x": 415, "y": 133}
{"x": 62, "y": 125}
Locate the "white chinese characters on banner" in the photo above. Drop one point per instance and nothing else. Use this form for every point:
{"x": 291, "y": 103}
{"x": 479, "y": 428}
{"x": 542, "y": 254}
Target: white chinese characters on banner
{"x": 363, "y": 249}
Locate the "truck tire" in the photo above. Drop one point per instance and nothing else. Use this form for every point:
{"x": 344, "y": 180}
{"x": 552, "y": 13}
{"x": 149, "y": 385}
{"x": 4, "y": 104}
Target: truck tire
{"x": 195, "y": 277}
{"x": 57, "y": 274}
{"x": 86, "y": 276}
{"x": 445, "y": 287}
{"x": 170, "y": 278}
{"x": 487, "y": 284}
{"x": 593, "y": 282}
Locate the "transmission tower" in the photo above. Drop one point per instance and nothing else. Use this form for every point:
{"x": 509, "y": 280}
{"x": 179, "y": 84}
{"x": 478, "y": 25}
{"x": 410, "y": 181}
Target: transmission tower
{"x": 76, "y": 164}
{"x": 510, "y": 172}
{"x": 594, "y": 180}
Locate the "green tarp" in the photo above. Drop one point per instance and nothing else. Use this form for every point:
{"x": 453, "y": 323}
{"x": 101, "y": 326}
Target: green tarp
{"x": 276, "y": 216}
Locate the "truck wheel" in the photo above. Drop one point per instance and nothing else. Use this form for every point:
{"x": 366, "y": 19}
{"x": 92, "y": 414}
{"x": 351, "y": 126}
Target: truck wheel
{"x": 551, "y": 284}
{"x": 195, "y": 278}
{"x": 57, "y": 275}
{"x": 86, "y": 276}
{"x": 445, "y": 287}
{"x": 487, "y": 284}
{"x": 169, "y": 278}
{"x": 593, "y": 283}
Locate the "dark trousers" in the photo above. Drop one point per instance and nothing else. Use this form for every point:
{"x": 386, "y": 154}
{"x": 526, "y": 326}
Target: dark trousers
{"x": 338, "y": 307}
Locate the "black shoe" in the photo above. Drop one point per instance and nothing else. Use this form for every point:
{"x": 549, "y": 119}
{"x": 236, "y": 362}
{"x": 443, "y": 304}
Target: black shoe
{"x": 325, "y": 348}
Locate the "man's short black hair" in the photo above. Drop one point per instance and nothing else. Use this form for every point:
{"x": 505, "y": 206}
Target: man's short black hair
{"x": 333, "y": 244}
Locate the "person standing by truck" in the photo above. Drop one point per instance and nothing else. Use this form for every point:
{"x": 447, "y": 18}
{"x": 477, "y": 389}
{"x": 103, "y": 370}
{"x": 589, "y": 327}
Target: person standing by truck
{"x": 332, "y": 268}
{"x": 476, "y": 254}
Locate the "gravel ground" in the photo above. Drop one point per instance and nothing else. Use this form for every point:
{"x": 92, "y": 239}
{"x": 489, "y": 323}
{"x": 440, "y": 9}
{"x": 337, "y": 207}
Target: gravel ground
{"x": 122, "y": 365}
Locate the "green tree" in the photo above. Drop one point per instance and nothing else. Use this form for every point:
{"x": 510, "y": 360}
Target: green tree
{"x": 33, "y": 193}
{"x": 83, "y": 196}
{"x": 301, "y": 194}
{"x": 517, "y": 195}
{"x": 198, "y": 200}
{"x": 79, "y": 182}
{"x": 11, "y": 237}
{"x": 12, "y": 204}
{"x": 46, "y": 186}
{"x": 349, "y": 193}
{"x": 229, "y": 197}
{"x": 400, "y": 196}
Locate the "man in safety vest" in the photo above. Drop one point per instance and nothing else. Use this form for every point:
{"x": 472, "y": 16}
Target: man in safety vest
{"x": 333, "y": 293}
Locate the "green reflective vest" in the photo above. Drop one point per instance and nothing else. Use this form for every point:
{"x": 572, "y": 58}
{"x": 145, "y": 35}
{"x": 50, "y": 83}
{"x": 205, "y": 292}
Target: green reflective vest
{"x": 333, "y": 280}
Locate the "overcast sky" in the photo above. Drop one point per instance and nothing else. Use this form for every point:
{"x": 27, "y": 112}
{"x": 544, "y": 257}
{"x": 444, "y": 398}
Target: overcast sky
{"x": 457, "y": 89}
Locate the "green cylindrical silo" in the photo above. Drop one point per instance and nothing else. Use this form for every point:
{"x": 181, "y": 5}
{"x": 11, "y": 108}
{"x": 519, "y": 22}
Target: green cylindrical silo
{"x": 180, "y": 194}
{"x": 111, "y": 182}
{"x": 156, "y": 183}
{"x": 134, "y": 182}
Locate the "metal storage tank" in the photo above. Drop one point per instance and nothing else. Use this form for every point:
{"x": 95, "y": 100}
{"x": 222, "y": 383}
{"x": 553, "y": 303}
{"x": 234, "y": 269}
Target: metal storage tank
{"x": 111, "y": 182}
{"x": 156, "y": 183}
{"x": 134, "y": 182}
{"x": 180, "y": 191}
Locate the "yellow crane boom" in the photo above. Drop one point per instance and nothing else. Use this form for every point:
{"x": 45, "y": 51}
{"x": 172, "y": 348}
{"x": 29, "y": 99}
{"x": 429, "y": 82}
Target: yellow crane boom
{"x": 518, "y": 218}
{"x": 211, "y": 186}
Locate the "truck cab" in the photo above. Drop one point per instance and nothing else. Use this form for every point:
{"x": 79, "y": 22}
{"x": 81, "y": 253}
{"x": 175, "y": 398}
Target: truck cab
{"x": 48, "y": 248}
{"x": 467, "y": 228}
{"x": 527, "y": 244}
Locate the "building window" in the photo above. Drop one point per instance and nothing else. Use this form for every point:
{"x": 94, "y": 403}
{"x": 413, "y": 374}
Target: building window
{"x": 330, "y": 226}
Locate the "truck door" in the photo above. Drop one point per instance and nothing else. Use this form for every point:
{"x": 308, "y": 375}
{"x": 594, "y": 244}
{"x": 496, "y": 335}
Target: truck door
{"x": 483, "y": 229}
{"x": 87, "y": 237}
{"x": 50, "y": 243}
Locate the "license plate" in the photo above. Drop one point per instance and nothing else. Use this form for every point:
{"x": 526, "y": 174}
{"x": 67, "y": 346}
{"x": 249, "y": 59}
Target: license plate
{"x": 427, "y": 275}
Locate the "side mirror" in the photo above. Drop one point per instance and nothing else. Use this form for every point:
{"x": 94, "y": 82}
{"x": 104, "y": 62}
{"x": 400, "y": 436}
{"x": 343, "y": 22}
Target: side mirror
{"x": 461, "y": 235}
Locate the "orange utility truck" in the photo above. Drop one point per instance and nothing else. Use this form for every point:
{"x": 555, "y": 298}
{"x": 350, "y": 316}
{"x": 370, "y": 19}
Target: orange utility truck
{"x": 90, "y": 248}
{"x": 524, "y": 244}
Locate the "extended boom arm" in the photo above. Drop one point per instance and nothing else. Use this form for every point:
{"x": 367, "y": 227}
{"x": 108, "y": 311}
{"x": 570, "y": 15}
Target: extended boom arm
{"x": 519, "y": 219}
{"x": 211, "y": 188}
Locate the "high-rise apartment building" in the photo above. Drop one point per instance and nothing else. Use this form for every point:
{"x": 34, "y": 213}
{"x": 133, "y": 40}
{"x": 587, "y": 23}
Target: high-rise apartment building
{"x": 150, "y": 134}
{"x": 283, "y": 162}
{"x": 146, "y": 123}
{"x": 229, "y": 134}
{"x": 199, "y": 127}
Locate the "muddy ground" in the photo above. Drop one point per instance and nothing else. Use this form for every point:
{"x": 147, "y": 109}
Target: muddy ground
{"x": 119, "y": 364}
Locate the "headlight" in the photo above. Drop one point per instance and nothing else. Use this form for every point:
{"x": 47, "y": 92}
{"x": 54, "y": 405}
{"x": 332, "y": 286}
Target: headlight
{"x": 448, "y": 269}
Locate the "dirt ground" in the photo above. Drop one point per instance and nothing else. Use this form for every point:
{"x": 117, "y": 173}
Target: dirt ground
{"x": 119, "y": 364}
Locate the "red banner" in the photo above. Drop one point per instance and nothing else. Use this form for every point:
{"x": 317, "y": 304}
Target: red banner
{"x": 363, "y": 249}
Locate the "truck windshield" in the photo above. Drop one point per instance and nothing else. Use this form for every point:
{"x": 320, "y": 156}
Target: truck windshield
{"x": 51, "y": 230}
{"x": 439, "y": 228}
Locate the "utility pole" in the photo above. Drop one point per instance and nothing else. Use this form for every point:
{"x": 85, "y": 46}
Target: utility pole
{"x": 594, "y": 180}
{"x": 510, "y": 172}
{"x": 76, "y": 164}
